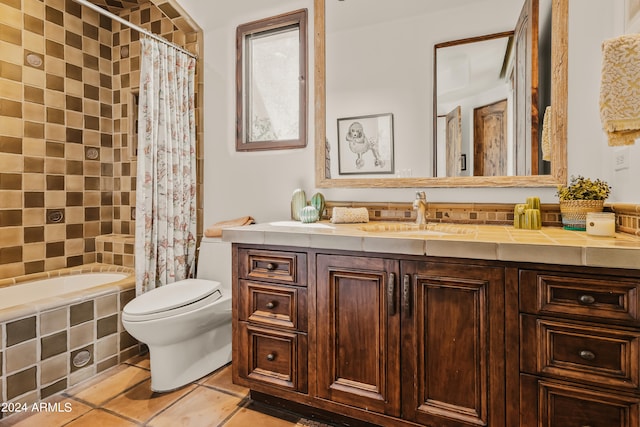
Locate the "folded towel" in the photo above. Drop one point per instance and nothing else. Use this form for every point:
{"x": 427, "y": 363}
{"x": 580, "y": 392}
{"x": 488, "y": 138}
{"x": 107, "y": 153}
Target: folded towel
{"x": 349, "y": 215}
{"x": 216, "y": 229}
{"x": 546, "y": 135}
{"x": 620, "y": 89}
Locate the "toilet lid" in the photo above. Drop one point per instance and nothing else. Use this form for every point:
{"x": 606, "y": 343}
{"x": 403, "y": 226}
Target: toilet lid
{"x": 171, "y": 296}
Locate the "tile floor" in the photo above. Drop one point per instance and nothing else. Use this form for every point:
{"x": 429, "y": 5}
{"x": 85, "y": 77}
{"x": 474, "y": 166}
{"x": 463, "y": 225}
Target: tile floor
{"x": 121, "y": 396}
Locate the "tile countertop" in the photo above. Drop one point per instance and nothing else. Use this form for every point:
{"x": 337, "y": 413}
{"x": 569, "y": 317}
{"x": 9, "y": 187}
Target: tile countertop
{"x": 551, "y": 245}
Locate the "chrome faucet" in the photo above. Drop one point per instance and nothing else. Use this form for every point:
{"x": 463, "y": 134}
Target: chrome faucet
{"x": 420, "y": 205}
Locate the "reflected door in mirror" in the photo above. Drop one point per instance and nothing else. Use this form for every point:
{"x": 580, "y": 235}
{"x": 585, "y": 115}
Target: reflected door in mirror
{"x": 490, "y": 140}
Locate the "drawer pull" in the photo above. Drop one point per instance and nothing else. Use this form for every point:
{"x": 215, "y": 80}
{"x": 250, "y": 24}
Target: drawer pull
{"x": 270, "y": 305}
{"x": 587, "y": 355}
{"x": 271, "y": 357}
{"x": 271, "y": 266}
{"x": 586, "y": 299}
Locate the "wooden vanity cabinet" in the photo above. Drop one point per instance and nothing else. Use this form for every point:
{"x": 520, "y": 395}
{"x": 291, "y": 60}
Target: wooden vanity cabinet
{"x": 270, "y": 341}
{"x": 580, "y": 349}
{"x": 400, "y": 340}
{"x": 392, "y": 340}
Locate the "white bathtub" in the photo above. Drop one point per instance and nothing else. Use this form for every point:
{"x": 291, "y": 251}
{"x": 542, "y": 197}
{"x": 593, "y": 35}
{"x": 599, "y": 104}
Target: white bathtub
{"x": 54, "y": 287}
{"x": 51, "y": 317}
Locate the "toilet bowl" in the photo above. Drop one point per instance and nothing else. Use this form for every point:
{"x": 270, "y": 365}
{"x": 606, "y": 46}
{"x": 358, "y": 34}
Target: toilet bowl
{"x": 186, "y": 324}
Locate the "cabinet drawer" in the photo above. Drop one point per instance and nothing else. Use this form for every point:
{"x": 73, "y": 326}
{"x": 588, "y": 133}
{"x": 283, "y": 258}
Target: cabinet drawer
{"x": 277, "y": 266}
{"x": 566, "y": 405}
{"x": 604, "y": 356}
{"x": 272, "y": 305}
{"x": 273, "y": 357}
{"x": 607, "y": 298}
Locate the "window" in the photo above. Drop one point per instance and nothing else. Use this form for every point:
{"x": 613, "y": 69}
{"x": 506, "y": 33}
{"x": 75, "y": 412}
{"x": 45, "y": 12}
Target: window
{"x": 271, "y": 78}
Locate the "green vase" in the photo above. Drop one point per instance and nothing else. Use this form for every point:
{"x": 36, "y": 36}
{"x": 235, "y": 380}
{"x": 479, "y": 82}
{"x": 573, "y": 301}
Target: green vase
{"x": 308, "y": 214}
{"x": 317, "y": 201}
{"x": 298, "y": 201}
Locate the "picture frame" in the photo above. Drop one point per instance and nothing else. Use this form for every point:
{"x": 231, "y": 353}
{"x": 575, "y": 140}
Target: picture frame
{"x": 632, "y": 16}
{"x": 365, "y": 144}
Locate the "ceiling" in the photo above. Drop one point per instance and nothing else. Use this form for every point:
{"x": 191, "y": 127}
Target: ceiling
{"x": 115, "y": 6}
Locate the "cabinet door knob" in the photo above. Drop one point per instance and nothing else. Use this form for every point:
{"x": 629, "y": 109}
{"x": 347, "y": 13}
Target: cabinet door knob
{"x": 271, "y": 266}
{"x": 271, "y": 305}
{"x": 587, "y": 355}
{"x": 271, "y": 357}
{"x": 586, "y": 299}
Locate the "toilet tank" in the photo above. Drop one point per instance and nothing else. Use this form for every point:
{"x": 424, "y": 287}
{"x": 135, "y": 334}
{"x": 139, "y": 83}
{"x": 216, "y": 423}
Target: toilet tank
{"x": 214, "y": 261}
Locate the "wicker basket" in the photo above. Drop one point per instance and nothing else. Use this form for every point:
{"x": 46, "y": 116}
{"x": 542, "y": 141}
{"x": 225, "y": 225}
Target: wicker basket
{"x": 574, "y": 212}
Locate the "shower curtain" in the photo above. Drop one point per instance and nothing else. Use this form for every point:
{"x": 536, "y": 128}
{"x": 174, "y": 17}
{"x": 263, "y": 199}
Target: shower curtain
{"x": 166, "y": 169}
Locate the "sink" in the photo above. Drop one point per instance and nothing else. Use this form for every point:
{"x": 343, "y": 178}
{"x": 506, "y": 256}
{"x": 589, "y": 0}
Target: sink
{"x": 403, "y": 228}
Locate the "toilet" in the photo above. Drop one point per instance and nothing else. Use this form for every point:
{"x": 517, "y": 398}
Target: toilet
{"x": 186, "y": 324}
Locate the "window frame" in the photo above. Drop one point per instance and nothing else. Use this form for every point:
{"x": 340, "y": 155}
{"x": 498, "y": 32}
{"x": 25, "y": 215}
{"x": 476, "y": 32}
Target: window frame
{"x": 298, "y": 19}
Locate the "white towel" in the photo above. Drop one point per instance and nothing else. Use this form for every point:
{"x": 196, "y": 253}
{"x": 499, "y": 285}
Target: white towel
{"x": 620, "y": 89}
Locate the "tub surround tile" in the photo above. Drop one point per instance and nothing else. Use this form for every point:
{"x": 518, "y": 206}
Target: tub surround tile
{"x": 21, "y": 356}
{"x": 53, "y": 345}
{"x": 54, "y": 369}
{"x": 21, "y": 382}
{"x": 54, "y": 321}
{"x": 106, "y": 305}
{"x": 82, "y": 335}
{"x": 54, "y": 388}
{"x": 106, "y": 364}
{"x": 107, "y": 326}
{"x": 82, "y": 312}
{"x": 20, "y": 330}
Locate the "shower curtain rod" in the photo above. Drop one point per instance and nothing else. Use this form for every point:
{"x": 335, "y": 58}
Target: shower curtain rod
{"x": 133, "y": 26}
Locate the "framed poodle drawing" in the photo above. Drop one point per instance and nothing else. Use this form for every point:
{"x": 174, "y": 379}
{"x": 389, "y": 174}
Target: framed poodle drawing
{"x": 365, "y": 144}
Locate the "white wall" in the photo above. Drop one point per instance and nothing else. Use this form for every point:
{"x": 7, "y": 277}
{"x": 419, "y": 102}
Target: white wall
{"x": 260, "y": 184}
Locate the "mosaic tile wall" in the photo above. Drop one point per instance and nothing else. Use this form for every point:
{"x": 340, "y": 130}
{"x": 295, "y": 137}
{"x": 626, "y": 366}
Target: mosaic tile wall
{"x": 65, "y": 172}
{"x": 627, "y": 215}
{"x": 126, "y": 63}
{"x": 38, "y": 344}
{"x": 461, "y": 213}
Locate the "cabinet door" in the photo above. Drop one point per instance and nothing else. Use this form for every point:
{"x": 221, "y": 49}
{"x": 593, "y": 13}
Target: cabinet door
{"x": 358, "y": 329}
{"x": 453, "y": 344}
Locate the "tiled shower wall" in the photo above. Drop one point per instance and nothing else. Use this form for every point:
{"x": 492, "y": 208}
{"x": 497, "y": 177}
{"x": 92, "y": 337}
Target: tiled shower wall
{"x": 66, "y": 172}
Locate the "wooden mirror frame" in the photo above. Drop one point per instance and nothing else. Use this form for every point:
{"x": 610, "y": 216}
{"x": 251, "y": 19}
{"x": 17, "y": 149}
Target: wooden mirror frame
{"x": 559, "y": 95}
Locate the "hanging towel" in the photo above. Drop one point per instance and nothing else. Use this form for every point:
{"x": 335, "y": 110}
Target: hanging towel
{"x": 620, "y": 89}
{"x": 546, "y": 134}
{"x": 216, "y": 229}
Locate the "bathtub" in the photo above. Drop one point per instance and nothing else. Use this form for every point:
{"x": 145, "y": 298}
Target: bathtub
{"x": 47, "y": 288}
{"x": 62, "y": 327}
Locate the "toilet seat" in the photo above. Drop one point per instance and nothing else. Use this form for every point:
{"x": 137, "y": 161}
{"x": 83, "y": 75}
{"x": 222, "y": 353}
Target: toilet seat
{"x": 172, "y": 299}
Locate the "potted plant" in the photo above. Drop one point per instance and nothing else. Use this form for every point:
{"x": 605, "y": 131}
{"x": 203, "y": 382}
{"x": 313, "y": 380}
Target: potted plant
{"x": 581, "y": 196}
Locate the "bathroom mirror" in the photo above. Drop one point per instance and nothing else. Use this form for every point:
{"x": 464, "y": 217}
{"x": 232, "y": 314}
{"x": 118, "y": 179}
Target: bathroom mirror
{"x": 340, "y": 101}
